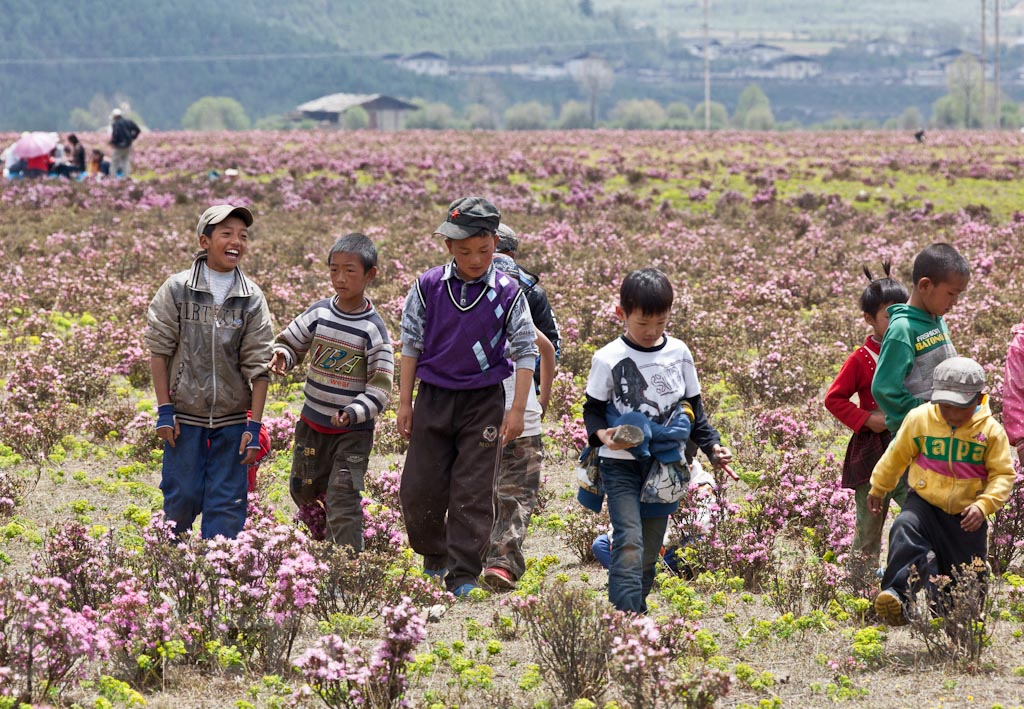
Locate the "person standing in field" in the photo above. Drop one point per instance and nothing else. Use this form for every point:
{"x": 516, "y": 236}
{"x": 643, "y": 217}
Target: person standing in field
{"x": 210, "y": 338}
{"x": 123, "y": 132}
{"x": 351, "y": 365}
{"x": 917, "y": 339}
{"x": 537, "y": 298}
{"x": 646, "y": 381}
{"x": 456, "y": 323}
{"x": 870, "y": 435}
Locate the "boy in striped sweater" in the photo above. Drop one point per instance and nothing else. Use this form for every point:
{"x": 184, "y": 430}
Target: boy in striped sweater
{"x": 351, "y": 366}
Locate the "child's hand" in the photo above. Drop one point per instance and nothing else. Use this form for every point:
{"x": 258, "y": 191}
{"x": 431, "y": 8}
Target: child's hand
{"x": 249, "y": 446}
{"x": 607, "y": 437}
{"x": 340, "y": 419}
{"x": 277, "y": 363}
{"x": 404, "y": 420}
{"x": 972, "y": 518}
{"x": 876, "y": 421}
{"x": 167, "y": 427}
{"x": 511, "y": 426}
{"x": 720, "y": 456}
{"x": 874, "y": 504}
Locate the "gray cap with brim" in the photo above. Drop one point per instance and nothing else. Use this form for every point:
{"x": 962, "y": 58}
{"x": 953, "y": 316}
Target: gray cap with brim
{"x": 469, "y": 216}
{"x": 957, "y": 381}
{"x": 508, "y": 243}
{"x": 219, "y": 212}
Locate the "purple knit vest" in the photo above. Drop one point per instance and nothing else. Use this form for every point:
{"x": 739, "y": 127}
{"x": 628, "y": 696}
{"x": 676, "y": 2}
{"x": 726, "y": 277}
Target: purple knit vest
{"x": 464, "y": 344}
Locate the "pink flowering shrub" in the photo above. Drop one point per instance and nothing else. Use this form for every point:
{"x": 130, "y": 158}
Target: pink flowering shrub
{"x": 281, "y": 429}
{"x": 571, "y": 637}
{"x": 363, "y": 585}
{"x": 644, "y": 667}
{"x": 345, "y": 675}
{"x": 262, "y": 584}
{"x": 44, "y": 645}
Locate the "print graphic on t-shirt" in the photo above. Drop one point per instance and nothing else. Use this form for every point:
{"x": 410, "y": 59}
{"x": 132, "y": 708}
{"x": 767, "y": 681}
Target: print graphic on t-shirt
{"x": 654, "y": 395}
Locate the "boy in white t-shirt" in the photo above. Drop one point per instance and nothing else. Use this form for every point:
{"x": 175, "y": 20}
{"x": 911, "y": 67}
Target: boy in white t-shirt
{"x": 643, "y": 377}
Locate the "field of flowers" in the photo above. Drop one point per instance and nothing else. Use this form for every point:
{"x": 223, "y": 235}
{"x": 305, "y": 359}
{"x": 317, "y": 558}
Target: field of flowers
{"x": 764, "y": 237}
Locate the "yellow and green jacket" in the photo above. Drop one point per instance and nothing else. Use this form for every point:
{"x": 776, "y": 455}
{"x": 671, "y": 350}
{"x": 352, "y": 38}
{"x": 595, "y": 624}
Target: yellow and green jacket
{"x": 949, "y": 468}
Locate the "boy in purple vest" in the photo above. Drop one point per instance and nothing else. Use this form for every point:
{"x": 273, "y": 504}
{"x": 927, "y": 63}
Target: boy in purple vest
{"x": 456, "y": 322}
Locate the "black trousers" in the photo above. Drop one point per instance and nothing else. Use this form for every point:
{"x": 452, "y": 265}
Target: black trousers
{"x": 930, "y": 540}
{"x": 447, "y": 488}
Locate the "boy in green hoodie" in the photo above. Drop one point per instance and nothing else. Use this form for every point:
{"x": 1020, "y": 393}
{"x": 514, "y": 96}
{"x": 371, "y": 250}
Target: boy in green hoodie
{"x": 917, "y": 339}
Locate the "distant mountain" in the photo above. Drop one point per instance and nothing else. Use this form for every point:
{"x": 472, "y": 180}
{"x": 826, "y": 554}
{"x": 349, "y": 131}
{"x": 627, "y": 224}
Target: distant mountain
{"x": 271, "y": 55}
{"x": 56, "y": 55}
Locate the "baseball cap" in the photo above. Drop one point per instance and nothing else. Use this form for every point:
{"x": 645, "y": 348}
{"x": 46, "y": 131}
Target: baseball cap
{"x": 507, "y": 241}
{"x": 116, "y": 113}
{"x": 956, "y": 381}
{"x": 468, "y": 217}
{"x": 219, "y": 212}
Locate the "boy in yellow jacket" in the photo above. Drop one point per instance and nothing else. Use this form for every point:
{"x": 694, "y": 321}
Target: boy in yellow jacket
{"x": 960, "y": 473}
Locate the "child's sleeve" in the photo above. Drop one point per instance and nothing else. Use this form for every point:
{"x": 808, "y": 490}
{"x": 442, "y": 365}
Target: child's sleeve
{"x": 1013, "y": 387}
{"x": 257, "y": 347}
{"x": 413, "y": 315}
{"x": 896, "y": 458}
{"x": 891, "y": 395}
{"x": 380, "y": 372}
{"x": 521, "y": 334}
{"x": 598, "y": 394}
{"x": 1001, "y": 475}
{"x": 837, "y": 399}
{"x": 294, "y": 341}
{"x": 162, "y": 323}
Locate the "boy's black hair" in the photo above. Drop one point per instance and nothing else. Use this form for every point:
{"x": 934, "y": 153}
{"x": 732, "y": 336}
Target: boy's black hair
{"x": 938, "y": 263}
{"x": 358, "y": 244}
{"x": 648, "y": 290}
{"x": 881, "y": 291}
{"x": 72, "y": 138}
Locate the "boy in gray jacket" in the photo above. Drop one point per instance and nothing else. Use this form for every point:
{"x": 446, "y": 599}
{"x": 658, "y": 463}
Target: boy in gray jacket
{"x": 210, "y": 338}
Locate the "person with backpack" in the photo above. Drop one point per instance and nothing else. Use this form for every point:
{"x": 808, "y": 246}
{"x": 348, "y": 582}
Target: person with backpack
{"x": 123, "y": 132}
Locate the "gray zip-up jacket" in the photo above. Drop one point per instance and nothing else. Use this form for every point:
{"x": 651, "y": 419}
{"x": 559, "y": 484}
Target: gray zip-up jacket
{"x": 213, "y": 353}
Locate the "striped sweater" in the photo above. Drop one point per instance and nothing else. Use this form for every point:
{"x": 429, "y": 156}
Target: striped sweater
{"x": 351, "y": 363}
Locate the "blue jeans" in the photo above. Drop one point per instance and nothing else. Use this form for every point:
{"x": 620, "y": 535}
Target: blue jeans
{"x": 203, "y": 474}
{"x": 636, "y": 540}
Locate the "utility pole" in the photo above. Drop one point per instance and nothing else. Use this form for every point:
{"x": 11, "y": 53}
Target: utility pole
{"x": 707, "y": 69}
{"x": 998, "y": 107}
{"x": 984, "y": 113}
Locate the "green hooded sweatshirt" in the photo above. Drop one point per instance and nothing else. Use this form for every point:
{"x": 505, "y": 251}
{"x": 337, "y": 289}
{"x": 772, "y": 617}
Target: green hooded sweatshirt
{"x": 914, "y": 345}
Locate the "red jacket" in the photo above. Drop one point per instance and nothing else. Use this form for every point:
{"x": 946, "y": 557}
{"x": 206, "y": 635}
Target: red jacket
{"x": 39, "y": 162}
{"x": 855, "y": 378}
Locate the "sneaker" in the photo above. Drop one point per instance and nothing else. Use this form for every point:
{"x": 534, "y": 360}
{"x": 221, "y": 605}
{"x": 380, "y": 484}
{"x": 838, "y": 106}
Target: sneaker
{"x": 463, "y": 590}
{"x": 889, "y": 608}
{"x": 499, "y": 579}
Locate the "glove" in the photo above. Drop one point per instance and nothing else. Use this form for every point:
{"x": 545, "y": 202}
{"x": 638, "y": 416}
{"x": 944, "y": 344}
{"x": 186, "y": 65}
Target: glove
{"x": 165, "y": 416}
{"x": 253, "y": 428}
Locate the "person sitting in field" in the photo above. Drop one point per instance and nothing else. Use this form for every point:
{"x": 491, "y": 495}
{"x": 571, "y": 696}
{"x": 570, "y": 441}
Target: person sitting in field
{"x": 74, "y": 164}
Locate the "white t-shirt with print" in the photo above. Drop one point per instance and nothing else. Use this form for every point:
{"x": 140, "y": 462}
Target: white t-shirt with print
{"x": 650, "y": 381}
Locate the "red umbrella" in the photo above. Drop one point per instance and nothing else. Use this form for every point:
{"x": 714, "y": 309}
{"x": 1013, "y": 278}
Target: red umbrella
{"x": 34, "y": 145}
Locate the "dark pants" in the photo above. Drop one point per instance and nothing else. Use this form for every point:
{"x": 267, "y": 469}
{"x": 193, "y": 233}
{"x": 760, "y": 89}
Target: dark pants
{"x": 636, "y": 540}
{"x": 448, "y": 481}
{"x": 332, "y": 466}
{"x": 928, "y": 539}
{"x": 203, "y": 473}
